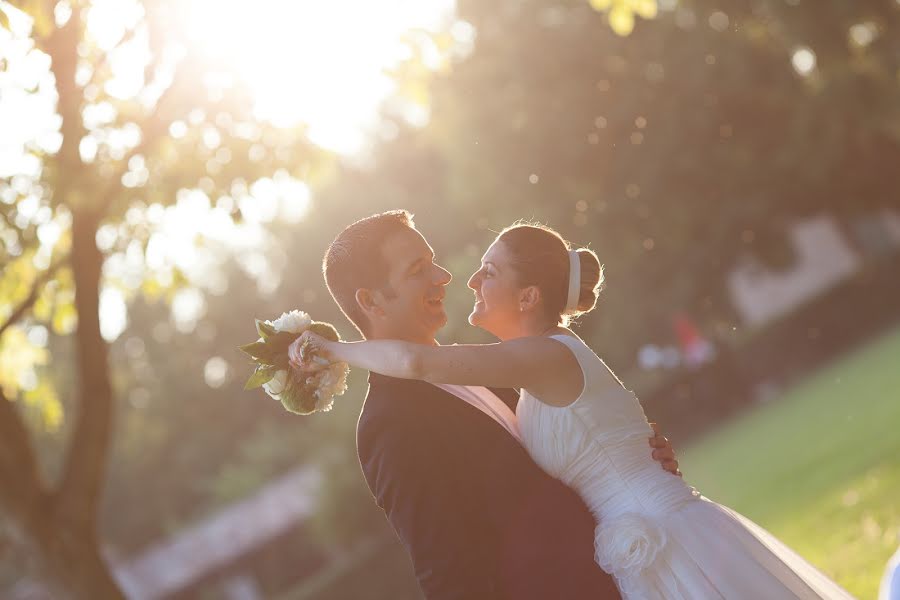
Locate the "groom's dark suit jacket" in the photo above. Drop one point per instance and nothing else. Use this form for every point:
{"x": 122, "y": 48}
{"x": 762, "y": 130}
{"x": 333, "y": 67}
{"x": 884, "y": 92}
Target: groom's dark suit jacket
{"x": 479, "y": 518}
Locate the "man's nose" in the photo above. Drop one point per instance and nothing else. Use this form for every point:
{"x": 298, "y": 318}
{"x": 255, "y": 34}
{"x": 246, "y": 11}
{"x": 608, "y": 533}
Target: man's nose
{"x": 441, "y": 275}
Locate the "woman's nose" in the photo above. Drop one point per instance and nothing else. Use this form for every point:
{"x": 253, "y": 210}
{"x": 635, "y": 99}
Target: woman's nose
{"x": 475, "y": 280}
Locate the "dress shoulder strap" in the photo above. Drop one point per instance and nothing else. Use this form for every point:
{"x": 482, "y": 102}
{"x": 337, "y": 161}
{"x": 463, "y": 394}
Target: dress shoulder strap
{"x": 577, "y": 347}
{"x": 582, "y": 353}
{"x": 591, "y": 365}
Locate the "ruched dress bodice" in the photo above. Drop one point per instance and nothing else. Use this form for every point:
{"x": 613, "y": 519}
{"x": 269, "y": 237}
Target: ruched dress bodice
{"x": 599, "y": 445}
{"x": 655, "y": 534}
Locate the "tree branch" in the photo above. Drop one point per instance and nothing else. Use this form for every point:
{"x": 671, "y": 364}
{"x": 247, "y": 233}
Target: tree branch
{"x": 21, "y": 489}
{"x": 28, "y": 302}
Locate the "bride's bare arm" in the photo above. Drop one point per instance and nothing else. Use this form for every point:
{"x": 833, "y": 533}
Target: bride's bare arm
{"x": 534, "y": 363}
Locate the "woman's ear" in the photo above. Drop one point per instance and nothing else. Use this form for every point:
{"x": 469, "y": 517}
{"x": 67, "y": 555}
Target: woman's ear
{"x": 529, "y": 297}
{"x": 366, "y": 300}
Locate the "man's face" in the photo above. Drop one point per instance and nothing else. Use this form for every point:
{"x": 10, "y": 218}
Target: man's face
{"x": 412, "y": 305}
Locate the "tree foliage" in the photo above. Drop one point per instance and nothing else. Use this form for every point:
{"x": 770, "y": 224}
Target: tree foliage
{"x": 126, "y": 139}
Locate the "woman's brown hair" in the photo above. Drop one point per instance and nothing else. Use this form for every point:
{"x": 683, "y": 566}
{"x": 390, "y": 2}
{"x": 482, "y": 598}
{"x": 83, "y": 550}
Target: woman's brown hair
{"x": 540, "y": 258}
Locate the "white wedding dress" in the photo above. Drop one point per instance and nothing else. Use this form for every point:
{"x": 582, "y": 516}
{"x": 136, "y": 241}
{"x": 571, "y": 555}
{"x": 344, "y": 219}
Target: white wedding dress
{"x": 657, "y": 536}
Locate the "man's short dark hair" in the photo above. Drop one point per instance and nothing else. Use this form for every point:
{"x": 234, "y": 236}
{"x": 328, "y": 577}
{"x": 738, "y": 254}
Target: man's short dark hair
{"x": 355, "y": 260}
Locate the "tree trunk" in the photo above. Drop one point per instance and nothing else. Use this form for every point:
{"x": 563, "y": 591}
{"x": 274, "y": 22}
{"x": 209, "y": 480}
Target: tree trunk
{"x": 69, "y": 551}
{"x": 73, "y": 558}
{"x": 85, "y": 468}
{"x": 71, "y": 546}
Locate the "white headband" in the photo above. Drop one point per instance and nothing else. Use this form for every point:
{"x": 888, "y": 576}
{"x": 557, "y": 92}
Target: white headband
{"x": 574, "y": 282}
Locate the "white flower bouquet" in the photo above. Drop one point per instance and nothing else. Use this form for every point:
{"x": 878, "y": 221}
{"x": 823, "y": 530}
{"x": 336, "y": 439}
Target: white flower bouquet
{"x": 299, "y": 392}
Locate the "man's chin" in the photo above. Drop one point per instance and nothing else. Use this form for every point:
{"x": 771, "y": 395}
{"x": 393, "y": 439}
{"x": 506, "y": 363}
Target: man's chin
{"x": 438, "y": 319}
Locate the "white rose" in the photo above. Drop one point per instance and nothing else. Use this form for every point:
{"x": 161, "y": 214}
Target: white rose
{"x": 295, "y": 321}
{"x": 275, "y": 386}
{"x": 627, "y": 544}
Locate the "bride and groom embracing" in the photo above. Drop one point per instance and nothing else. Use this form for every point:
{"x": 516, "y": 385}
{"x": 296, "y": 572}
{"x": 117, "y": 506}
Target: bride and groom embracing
{"x": 549, "y": 492}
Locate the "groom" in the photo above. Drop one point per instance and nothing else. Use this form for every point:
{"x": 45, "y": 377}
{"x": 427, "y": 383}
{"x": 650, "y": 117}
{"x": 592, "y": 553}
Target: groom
{"x": 479, "y": 519}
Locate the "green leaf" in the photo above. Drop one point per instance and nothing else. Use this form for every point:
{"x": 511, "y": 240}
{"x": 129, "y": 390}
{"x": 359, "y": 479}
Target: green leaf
{"x": 279, "y": 342}
{"x": 326, "y": 330}
{"x": 621, "y": 19}
{"x": 256, "y": 350}
{"x": 262, "y": 375}
{"x": 281, "y": 361}
{"x": 42, "y": 13}
{"x": 65, "y": 318}
{"x": 44, "y": 400}
{"x": 264, "y": 329}
{"x": 151, "y": 288}
{"x": 647, "y": 9}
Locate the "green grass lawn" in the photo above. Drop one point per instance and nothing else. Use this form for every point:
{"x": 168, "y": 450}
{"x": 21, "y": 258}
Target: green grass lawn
{"x": 819, "y": 466}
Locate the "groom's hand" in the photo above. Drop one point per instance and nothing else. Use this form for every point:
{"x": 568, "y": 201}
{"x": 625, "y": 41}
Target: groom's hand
{"x": 663, "y": 453}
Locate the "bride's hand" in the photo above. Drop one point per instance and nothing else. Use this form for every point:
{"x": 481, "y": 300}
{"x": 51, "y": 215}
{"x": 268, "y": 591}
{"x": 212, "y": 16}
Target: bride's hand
{"x": 310, "y": 352}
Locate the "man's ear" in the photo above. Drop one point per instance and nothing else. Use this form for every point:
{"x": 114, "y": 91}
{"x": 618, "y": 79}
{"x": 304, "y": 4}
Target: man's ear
{"x": 367, "y": 301}
{"x": 529, "y": 297}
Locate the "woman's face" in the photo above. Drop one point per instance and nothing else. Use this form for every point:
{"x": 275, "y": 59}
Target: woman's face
{"x": 497, "y": 292}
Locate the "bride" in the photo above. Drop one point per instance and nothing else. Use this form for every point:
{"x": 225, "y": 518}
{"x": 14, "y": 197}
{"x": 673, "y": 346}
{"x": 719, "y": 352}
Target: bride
{"x": 657, "y": 536}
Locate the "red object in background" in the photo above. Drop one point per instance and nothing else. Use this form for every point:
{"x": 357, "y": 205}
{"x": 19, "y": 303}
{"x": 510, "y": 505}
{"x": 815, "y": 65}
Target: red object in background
{"x": 688, "y": 333}
{"x": 695, "y": 349}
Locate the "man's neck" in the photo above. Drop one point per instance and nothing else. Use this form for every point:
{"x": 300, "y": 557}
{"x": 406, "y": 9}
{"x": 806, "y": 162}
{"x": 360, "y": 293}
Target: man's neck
{"x": 425, "y": 340}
